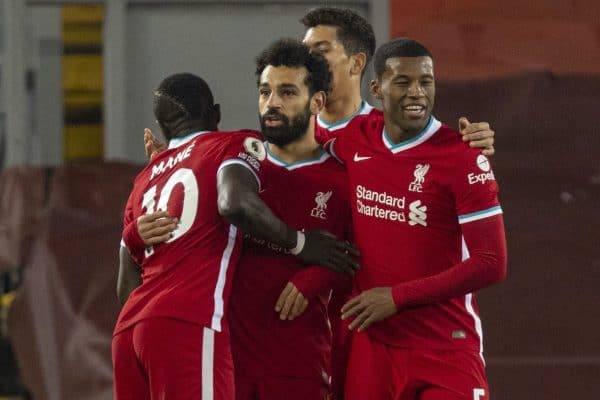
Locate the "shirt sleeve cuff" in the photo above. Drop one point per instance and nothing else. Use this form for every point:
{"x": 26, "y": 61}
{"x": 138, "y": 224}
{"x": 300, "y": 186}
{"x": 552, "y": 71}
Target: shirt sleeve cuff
{"x": 133, "y": 240}
{"x": 398, "y": 296}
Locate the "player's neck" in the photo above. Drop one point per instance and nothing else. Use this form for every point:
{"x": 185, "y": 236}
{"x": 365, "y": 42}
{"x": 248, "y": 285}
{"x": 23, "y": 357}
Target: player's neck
{"x": 398, "y": 135}
{"x": 305, "y": 148}
{"x": 181, "y": 133}
{"x": 339, "y": 109}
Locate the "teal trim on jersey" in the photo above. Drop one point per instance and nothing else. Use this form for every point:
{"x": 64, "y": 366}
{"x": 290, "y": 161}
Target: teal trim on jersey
{"x": 296, "y": 164}
{"x": 393, "y": 146}
{"x": 178, "y": 141}
{"x": 327, "y": 125}
{"x": 479, "y": 213}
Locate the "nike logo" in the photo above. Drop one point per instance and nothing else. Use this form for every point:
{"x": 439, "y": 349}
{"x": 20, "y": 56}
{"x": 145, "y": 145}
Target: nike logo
{"x": 360, "y": 158}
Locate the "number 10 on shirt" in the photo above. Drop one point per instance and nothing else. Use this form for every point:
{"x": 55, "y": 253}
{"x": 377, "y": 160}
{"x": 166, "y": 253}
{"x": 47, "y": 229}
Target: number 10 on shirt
{"x": 185, "y": 177}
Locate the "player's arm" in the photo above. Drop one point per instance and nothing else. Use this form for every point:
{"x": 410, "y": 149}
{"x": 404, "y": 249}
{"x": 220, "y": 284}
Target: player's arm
{"x": 485, "y": 266}
{"x": 239, "y": 202}
{"x": 130, "y": 275}
{"x": 478, "y": 134}
{"x": 308, "y": 283}
{"x": 304, "y": 287}
{"x": 314, "y": 280}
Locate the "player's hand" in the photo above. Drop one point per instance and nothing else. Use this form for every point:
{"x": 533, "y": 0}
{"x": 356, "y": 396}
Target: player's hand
{"x": 323, "y": 248}
{"x": 291, "y": 303}
{"x": 152, "y": 146}
{"x": 156, "y": 228}
{"x": 478, "y": 134}
{"x": 370, "y": 306}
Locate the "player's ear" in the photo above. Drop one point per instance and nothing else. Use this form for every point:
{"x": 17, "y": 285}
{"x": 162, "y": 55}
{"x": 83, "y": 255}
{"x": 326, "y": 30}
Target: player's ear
{"x": 376, "y": 89}
{"x": 317, "y": 102}
{"x": 358, "y": 63}
{"x": 165, "y": 130}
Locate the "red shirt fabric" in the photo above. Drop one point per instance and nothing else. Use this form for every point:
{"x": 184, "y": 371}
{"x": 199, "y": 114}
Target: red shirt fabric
{"x": 411, "y": 204}
{"x": 189, "y": 276}
{"x": 311, "y": 194}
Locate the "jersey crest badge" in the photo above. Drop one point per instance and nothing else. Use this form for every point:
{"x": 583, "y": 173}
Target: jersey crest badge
{"x": 321, "y": 199}
{"x": 420, "y": 172}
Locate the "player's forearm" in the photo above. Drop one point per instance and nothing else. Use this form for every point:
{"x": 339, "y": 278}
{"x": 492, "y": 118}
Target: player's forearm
{"x": 129, "y": 275}
{"x": 238, "y": 201}
{"x": 132, "y": 238}
{"x": 314, "y": 280}
{"x": 485, "y": 266}
{"x": 250, "y": 214}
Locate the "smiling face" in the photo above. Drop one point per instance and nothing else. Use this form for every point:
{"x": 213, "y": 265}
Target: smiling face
{"x": 406, "y": 89}
{"x": 284, "y": 104}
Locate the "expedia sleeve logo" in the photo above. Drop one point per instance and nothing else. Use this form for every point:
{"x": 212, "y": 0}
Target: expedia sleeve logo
{"x": 486, "y": 175}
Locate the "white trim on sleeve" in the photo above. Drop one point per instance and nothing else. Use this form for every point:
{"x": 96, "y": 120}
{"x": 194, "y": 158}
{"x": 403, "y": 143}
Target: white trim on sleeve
{"x": 232, "y": 161}
{"x": 462, "y": 219}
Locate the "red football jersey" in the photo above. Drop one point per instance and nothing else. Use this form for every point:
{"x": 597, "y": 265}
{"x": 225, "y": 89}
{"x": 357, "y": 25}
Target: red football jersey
{"x": 408, "y": 203}
{"x": 306, "y": 195}
{"x": 325, "y": 130}
{"x": 189, "y": 276}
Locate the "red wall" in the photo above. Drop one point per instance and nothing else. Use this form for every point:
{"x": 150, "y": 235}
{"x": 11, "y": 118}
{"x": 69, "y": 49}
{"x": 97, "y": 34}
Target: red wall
{"x": 477, "y": 38}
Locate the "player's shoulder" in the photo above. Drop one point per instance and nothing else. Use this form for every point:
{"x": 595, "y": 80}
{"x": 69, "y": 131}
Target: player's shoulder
{"x": 462, "y": 157}
{"x": 365, "y": 126}
{"x": 233, "y": 137}
{"x": 242, "y": 140}
{"x": 157, "y": 162}
{"x": 449, "y": 140}
{"x": 243, "y": 133}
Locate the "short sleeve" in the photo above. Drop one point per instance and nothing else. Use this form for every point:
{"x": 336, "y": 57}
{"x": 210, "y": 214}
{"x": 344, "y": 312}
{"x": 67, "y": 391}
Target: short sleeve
{"x": 475, "y": 188}
{"x": 247, "y": 150}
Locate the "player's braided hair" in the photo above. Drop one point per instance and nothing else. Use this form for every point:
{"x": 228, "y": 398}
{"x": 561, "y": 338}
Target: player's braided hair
{"x": 400, "y": 47}
{"x": 180, "y": 98}
{"x": 293, "y": 53}
{"x": 355, "y": 33}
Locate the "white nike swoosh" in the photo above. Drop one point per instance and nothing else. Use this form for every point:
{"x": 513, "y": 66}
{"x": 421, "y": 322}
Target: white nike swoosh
{"x": 360, "y": 158}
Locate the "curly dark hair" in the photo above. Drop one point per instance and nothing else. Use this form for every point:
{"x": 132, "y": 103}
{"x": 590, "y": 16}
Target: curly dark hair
{"x": 293, "y": 53}
{"x": 355, "y": 33}
{"x": 400, "y": 47}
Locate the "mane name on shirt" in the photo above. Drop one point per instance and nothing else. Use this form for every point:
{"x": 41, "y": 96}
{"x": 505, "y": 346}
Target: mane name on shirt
{"x": 172, "y": 161}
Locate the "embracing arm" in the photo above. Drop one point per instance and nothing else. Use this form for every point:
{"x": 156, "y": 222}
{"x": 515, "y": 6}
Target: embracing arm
{"x": 238, "y": 201}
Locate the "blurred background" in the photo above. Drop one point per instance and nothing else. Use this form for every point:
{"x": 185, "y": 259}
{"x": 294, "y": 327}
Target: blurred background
{"x": 76, "y": 84}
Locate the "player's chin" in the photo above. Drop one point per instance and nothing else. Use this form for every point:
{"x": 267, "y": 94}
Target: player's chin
{"x": 414, "y": 124}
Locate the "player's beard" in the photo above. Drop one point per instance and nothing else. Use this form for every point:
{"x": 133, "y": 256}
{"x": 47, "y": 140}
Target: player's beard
{"x": 287, "y": 132}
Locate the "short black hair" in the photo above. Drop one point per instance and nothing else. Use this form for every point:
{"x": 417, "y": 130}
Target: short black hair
{"x": 355, "y": 33}
{"x": 293, "y": 53}
{"x": 400, "y": 47}
{"x": 181, "y": 97}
